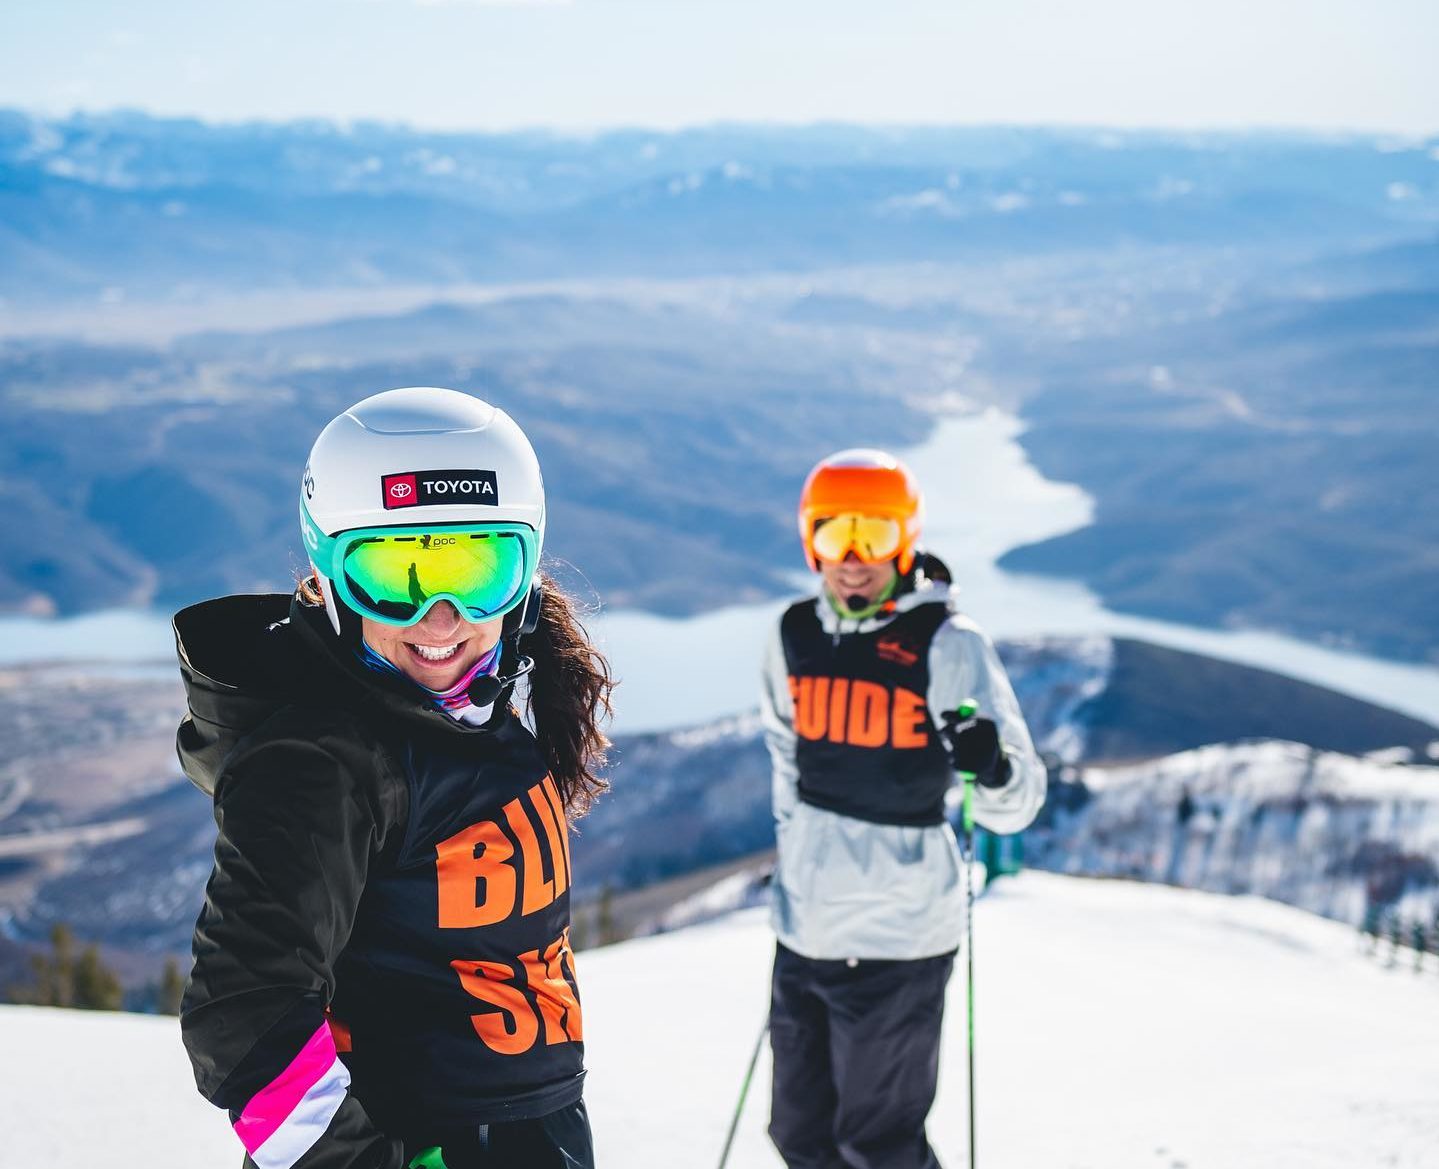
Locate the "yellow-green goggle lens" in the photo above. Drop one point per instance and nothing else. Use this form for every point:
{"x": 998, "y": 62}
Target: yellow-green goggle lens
{"x": 394, "y": 576}
{"x": 873, "y": 539}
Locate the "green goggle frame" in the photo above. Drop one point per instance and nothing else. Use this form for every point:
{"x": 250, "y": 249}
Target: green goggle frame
{"x": 395, "y": 575}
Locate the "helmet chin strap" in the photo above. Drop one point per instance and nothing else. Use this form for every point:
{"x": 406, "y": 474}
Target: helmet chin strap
{"x": 332, "y": 602}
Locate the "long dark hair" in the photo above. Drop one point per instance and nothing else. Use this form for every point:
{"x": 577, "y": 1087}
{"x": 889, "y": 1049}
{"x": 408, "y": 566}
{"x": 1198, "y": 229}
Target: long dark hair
{"x": 570, "y": 689}
{"x": 569, "y": 697}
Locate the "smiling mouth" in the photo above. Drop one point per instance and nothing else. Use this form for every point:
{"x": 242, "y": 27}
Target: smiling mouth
{"x": 434, "y": 653}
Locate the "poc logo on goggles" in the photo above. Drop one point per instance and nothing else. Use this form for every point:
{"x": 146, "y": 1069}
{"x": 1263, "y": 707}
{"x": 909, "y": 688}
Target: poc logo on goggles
{"x": 428, "y": 488}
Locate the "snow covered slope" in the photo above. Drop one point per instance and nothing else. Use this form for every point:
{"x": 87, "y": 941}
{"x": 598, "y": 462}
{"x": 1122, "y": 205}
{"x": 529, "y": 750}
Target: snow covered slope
{"x": 1323, "y": 831}
{"x": 1122, "y": 1026}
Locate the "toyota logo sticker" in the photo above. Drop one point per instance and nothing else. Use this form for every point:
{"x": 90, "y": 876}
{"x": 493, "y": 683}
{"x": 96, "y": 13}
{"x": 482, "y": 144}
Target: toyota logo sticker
{"x": 439, "y": 488}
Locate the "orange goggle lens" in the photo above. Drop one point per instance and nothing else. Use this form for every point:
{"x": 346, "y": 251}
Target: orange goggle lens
{"x": 874, "y": 539}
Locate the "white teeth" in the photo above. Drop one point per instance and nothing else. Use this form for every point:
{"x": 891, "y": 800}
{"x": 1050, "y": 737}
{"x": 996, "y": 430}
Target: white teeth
{"x": 435, "y": 653}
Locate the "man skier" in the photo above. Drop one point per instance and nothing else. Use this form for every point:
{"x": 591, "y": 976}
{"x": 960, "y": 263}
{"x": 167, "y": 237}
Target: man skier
{"x": 861, "y": 689}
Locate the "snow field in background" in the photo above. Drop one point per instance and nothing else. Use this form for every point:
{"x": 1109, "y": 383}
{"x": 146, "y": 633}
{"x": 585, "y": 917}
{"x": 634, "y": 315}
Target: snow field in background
{"x": 1120, "y": 1026}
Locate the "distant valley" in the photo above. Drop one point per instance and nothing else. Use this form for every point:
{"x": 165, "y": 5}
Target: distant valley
{"x": 1230, "y": 341}
{"x": 1267, "y": 467}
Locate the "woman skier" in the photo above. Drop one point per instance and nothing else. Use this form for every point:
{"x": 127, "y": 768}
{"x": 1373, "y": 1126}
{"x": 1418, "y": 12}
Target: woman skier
{"x": 383, "y": 974}
{"x": 862, "y": 689}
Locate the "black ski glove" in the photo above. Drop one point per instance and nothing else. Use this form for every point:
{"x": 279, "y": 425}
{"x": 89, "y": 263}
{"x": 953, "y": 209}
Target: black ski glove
{"x": 973, "y": 745}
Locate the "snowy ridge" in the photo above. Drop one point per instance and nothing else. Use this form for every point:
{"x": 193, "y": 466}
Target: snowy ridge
{"x": 742, "y": 890}
{"x": 739, "y": 727}
{"x": 1325, "y": 832}
{"x": 1053, "y": 678}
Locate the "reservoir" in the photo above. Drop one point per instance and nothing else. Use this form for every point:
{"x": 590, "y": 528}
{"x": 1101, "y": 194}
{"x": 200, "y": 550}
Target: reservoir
{"x": 983, "y": 497}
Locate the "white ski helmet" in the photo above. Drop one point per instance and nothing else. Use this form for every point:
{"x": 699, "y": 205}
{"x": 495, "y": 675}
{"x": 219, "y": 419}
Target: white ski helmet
{"x": 417, "y": 456}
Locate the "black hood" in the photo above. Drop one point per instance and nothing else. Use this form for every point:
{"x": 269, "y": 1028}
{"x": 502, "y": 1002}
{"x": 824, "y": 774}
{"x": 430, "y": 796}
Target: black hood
{"x": 245, "y": 658}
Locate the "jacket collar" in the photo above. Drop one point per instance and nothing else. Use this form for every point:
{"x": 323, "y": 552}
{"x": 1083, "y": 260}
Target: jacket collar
{"x": 245, "y": 658}
{"x": 392, "y": 694}
{"x": 925, "y": 592}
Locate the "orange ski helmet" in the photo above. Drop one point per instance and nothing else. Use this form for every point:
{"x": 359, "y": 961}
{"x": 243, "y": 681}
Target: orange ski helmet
{"x": 865, "y": 482}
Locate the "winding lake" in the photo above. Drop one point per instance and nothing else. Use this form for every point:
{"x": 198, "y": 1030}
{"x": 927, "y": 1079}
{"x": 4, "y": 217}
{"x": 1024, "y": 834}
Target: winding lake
{"x": 983, "y": 498}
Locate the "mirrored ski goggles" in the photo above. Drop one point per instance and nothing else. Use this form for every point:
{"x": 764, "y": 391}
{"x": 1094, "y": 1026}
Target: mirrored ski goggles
{"x": 396, "y": 575}
{"x": 874, "y": 539}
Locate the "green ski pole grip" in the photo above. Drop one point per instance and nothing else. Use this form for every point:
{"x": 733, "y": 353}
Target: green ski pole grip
{"x": 429, "y": 1159}
{"x": 967, "y": 710}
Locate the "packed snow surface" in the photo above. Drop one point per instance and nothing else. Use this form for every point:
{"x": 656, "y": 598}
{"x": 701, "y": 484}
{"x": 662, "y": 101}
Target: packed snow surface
{"x": 1120, "y": 1025}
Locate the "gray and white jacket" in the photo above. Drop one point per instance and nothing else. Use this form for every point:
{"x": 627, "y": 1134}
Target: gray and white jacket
{"x": 849, "y": 888}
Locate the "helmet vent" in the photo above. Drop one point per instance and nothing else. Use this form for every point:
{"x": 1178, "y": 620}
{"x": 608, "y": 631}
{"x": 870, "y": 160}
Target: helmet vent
{"x": 863, "y": 457}
{"x": 414, "y": 412}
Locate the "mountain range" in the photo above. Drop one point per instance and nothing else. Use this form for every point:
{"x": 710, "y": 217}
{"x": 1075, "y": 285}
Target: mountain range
{"x": 172, "y": 207}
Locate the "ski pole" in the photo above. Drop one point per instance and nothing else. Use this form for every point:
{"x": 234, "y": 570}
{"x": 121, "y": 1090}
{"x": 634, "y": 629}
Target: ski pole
{"x": 743, "y": 1093}
{"x": 967, "y": 711}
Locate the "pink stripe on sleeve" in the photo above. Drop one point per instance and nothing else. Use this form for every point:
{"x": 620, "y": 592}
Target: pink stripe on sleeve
{"x": 272, "y": 1104}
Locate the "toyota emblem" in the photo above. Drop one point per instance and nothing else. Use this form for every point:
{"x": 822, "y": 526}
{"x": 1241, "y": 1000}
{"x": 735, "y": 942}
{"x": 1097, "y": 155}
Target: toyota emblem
{"x": 401, "y": 490}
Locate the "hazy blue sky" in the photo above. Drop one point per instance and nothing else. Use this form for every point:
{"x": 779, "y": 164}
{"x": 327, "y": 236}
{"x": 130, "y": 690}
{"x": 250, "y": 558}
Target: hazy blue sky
{"x": 1367, "y": 64}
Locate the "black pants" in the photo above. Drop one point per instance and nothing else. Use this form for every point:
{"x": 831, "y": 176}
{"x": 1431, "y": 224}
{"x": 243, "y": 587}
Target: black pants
{"x": 856, "y": 1059}
{"x": 558, "y": 1140}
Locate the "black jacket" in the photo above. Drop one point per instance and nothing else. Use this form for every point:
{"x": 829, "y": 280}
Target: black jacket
{"x": 389, "y": 883}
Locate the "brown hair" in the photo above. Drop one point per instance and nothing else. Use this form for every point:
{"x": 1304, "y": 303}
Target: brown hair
{"x": 570, "y": 689}
{"x": 308, "y": 588}
{"x": 569, "y": 694}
